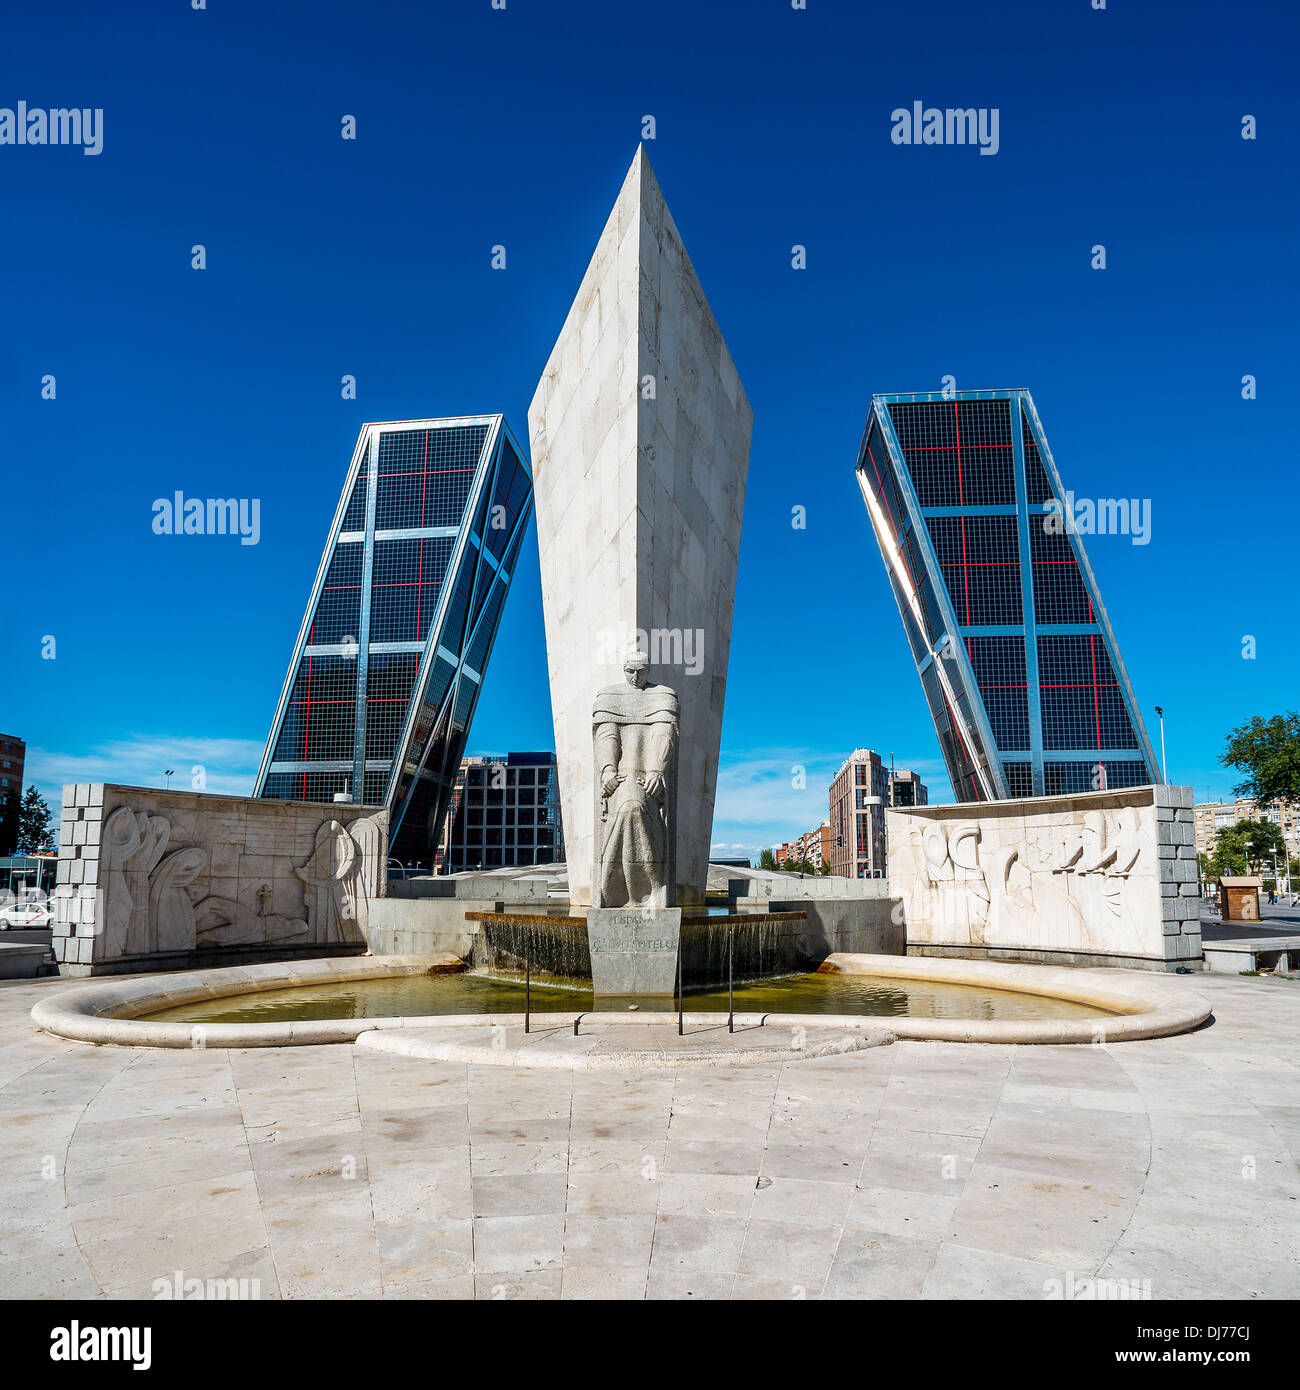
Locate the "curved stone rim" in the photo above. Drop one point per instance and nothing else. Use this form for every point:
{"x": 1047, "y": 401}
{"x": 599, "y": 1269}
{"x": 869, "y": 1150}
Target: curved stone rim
{"x": 426, "y": 1044}
{"x": 108, "y": 1012}
{"x": 1146, "y": 1006}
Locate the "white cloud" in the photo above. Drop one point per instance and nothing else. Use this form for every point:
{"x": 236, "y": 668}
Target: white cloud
{"x": 229, "y": 764}
{"x": 758, "y": 806}
{"x": 759, "y": 790}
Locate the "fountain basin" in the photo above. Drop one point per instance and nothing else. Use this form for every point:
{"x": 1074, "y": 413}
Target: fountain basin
{"x": 635, "y": 951}
{"x": 1120, "y": 1005}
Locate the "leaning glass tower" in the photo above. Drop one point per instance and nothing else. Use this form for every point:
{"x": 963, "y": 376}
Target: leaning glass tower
{"x": 395, "y": 641}
{"x": 1016, "y": 655}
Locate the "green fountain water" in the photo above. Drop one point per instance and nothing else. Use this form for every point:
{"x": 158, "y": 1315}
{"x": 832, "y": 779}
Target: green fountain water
{"x": 483, "y": 992}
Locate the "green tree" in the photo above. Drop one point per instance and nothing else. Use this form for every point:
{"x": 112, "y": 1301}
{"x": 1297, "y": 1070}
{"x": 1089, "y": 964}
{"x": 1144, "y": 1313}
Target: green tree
{"x": 1267, "y": 752}
{"x": 35, "y": 824}
{"x": 1230, "y": 854}
{"x": 767, "y": 860}
{"x": 8, "y": 821}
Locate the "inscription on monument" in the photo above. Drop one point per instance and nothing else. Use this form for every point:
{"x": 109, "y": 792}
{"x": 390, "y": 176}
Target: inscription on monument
{"x": 634, "y": 952}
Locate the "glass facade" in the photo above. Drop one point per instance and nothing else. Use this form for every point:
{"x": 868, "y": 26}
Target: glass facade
{"x": 1016, "y": 656}
{"x": 399, "y": 627}
{"x": 504, "y": 813}
{"x": 907, "y": 789}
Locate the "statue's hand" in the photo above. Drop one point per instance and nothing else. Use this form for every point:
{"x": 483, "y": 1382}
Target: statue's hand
{"x": 654, "y": 785}
{"x": 609, "y": 783}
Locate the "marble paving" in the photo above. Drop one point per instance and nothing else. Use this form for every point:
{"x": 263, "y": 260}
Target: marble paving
{"x": 915, "y": 1170}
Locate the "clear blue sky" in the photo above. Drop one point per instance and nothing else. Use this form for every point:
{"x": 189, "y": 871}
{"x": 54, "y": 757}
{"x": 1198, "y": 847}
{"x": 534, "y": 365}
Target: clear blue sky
{"x": 476, "y": 127}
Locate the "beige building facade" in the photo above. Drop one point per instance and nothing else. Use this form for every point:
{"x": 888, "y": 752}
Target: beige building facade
{"x": 813, "y": 847}
{"x": 1212, "y": 816}
{"x": 858, "y": 797}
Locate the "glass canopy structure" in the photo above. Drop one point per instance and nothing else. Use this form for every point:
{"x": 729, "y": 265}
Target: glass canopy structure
{"x": 1016, "y": 655}
{"x": 395, "y": 641}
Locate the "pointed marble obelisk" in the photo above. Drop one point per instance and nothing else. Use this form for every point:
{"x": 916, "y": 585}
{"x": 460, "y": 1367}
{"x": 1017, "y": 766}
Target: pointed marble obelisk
{"x": 640, "y": 447}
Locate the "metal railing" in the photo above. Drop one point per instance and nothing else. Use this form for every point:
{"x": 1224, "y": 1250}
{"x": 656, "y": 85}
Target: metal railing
{"x": 731, "y": 1002}
{"x": 731, "y": 980}
{"x": 681, "y": 992}
{"x": 679, "y": 985}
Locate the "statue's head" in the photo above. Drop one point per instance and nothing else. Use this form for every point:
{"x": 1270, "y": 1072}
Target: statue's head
{"x": 634, "y": 670}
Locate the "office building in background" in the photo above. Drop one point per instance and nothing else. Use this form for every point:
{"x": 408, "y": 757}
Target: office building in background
{"x": 1016, "y": 656}
{"x": 399, "y": 626}
{"x": 13, "y": 759}
{"x": 858, "y": 797}
{"x": 907, "y": 789}
{"x": 504, "y": 813}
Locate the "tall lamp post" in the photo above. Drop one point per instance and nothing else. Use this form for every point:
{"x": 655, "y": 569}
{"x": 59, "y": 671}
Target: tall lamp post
{"x": 168, "y": 773}
{"x": 1163, "y": 771}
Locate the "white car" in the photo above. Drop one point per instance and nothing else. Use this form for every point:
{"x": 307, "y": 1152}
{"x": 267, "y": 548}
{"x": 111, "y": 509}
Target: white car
{"x": 25, "y": 915}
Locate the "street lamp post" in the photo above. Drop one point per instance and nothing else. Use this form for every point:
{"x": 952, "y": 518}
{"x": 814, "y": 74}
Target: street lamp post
{"x": 168, "y": 773}
{"x": 1163, "y": 770}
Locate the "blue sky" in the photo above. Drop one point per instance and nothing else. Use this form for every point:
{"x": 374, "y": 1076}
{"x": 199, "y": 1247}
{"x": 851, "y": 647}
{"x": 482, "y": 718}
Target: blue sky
{"x": 479, "y": 127}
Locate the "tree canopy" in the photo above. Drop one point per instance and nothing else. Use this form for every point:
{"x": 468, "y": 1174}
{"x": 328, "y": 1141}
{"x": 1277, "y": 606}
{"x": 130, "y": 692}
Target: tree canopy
{"x": 1267, "y": 753}
{"x": 36, "y": 824}
{"x": 1230, "y": 855}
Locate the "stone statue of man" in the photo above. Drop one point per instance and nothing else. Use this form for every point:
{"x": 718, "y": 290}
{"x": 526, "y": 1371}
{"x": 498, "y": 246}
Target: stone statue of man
{"x": 634, "y": 727}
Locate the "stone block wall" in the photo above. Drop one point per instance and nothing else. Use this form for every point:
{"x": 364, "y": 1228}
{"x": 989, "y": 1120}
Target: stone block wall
{"x": 1100, "y": 878}
{"x": 428, "y": 914}
{"x": 151, "y": 880}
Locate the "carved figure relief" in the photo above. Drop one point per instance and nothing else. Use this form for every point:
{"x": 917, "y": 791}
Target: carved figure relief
{"x": 373, "y": 854}
{"x": 1026, "y": 893}
{"x": 131, "y": 843}
{"x": 1100, "y": 862}
{"x": 228, "y": 922}
{"x": 171, "y": 913}
{"x": 952, "y": 886}
{"x": 154, "y": 902}
{"x": 337, "y": 904}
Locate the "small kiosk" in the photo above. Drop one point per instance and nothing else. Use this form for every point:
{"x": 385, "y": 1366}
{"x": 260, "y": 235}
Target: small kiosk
{"x": 1239, "y": 899}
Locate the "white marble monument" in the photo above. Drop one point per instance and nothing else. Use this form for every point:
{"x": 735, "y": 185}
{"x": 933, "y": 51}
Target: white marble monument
{"x": 151, "y": 879}
{"x": 634, "y": 732}
{"x": 1097, "y": 878}
{"x": 640, "y": 446}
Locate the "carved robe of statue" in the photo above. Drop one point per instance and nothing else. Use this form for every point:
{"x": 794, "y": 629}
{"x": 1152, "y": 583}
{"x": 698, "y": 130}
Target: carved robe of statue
{"x": 634, "y": 729}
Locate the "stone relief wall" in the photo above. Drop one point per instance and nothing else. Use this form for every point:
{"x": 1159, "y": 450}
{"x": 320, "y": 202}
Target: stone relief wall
{"x": 1099, "y": 874}
{"x": 151, "y": 876}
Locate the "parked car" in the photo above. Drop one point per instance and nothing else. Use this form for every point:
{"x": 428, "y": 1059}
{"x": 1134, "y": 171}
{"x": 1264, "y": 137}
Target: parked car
{"x": 25, "y": 915}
